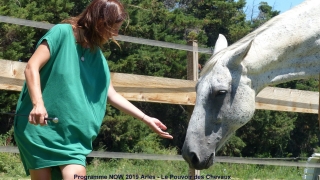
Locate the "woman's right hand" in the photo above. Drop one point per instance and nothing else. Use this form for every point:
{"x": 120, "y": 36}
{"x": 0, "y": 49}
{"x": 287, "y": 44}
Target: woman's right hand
{"x": 37, "y": 114}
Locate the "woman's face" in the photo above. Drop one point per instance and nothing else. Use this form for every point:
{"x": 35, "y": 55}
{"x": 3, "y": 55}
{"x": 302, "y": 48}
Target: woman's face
{"x": 115, "y": 29}
{"x": 110, "y": 31}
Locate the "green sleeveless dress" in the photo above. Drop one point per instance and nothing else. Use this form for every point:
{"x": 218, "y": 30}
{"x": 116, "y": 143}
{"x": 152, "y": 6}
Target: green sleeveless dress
{"x": 74, "y": 91}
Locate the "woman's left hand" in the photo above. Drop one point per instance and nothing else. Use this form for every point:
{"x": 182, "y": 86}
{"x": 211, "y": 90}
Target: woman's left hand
{"x": 157, "y": 126}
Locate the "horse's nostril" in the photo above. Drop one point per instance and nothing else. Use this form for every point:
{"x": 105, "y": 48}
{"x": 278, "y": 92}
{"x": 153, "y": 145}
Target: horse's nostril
{"x": 194, "y": 158}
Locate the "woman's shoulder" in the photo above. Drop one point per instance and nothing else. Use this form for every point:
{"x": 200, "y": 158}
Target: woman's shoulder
{"x": 58, "y": 35}
{"x": 61, "y": 27}
{"x": 60, "y": 31}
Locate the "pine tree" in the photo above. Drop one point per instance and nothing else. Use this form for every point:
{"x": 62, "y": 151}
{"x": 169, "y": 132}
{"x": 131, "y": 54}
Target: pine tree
{"x": 220, "y": 17}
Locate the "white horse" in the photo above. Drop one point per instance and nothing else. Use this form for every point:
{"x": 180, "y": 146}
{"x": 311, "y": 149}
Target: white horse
{"x": 285, "y": 48}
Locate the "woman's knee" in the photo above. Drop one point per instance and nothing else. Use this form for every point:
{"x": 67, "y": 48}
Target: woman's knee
{"x": 40, "y": 174}
{"x": 73, "y": 171}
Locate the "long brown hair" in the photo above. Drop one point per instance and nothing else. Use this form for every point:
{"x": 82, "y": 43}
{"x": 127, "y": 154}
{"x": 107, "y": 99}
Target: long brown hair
{"x": 98, "y": 21}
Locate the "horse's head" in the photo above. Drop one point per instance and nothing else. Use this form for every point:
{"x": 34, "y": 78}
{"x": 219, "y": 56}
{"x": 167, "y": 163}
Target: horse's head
{"x": 225, "y": 101}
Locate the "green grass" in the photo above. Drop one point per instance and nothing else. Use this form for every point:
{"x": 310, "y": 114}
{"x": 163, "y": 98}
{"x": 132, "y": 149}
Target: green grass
{"x": 11, "y": 168}
{"x": 160, "y": 169}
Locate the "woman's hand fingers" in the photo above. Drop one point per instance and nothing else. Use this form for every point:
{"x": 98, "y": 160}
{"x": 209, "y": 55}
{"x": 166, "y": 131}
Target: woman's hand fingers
{"x": 159, "y": 124}
{"x": 42, "y": 121}
{"x": 36, "y": 119}
{"x": 32, "y": 119}
{"x": 37, "y": 116}
{"x": 158, "y": 127}
{"x": 166, "y": 135}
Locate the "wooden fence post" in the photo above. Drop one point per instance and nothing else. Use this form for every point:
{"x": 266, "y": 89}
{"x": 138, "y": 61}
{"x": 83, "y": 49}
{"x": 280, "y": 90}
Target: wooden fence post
{"x": 192, "y": 74}
{"x": 192, "y": 69}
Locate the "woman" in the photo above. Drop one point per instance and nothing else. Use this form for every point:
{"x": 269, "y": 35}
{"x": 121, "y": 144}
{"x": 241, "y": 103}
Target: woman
{"x": 68, "y": 77}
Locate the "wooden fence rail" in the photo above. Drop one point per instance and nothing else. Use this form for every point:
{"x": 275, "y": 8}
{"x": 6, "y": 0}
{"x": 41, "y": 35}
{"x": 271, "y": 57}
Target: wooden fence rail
{"x": 174, "y": 91}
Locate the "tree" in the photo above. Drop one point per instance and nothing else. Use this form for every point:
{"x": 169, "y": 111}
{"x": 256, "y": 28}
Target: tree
{"x": 8, "y": 101}
{"x": 267, "y": 134}
{"x": 220, "y": 17}
{"x": 304, "y": 138}
{"x": 265, "y": 14}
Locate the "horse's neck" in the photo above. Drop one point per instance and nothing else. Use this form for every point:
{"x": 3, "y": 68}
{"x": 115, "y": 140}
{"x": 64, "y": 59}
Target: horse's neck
{"x": 288, "y": 48}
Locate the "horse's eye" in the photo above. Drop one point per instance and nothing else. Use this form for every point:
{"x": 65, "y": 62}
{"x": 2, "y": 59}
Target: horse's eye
{"x": 221, "y": 92}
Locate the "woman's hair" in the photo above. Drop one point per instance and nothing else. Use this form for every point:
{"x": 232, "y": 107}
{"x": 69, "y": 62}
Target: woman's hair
{"x": 98, "y": 20}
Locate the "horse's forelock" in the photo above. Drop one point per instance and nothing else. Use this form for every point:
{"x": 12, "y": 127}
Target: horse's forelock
{"x": 211, "y": 63}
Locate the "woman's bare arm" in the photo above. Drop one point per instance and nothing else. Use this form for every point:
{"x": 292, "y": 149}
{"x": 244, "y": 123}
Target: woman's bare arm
{"x": 124, "y": 105}
{"x": 35, "y": 63}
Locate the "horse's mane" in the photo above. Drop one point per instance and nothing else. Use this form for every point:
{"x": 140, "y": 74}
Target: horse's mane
{"x": 248, "y": 38}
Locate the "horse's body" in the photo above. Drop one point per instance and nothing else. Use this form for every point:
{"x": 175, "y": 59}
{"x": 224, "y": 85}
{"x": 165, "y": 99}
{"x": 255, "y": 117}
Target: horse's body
{"x": 285, "y": 48}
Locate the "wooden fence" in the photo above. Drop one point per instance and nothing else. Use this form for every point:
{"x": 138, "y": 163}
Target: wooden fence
{"x": 174, "y": 91}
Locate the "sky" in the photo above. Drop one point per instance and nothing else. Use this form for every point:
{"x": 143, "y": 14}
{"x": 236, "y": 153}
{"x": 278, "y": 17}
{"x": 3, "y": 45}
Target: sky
{"x": 279, "y": 5}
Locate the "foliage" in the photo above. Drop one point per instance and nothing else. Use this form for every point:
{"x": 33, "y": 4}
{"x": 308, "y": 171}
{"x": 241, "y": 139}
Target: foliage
{"x": 120, "y": 132}
{"x": 17, "y": 42}
{"x": 152, "y": 21}
{"x": 151, "y": 144}
{"x": 9, "y": 163}
{"x": 174, "y": 117}
{"x": 220, "y": 17}
{"x": 233, "y": 147}
{"x": 267, "y": 134}
{"x": 8, "y": 100}
{"x": 305, "y": 136}
{"x": 265, "y": 13}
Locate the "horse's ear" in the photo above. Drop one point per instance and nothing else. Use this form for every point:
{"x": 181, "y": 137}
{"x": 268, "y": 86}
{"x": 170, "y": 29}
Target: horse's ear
{"x": 239, "y": 54}
{"x": 221, "y": 43}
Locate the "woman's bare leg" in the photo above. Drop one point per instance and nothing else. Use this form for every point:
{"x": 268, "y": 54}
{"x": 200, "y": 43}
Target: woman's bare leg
{"x": 73, "y": 171}
{"x": 40, "y": 174}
